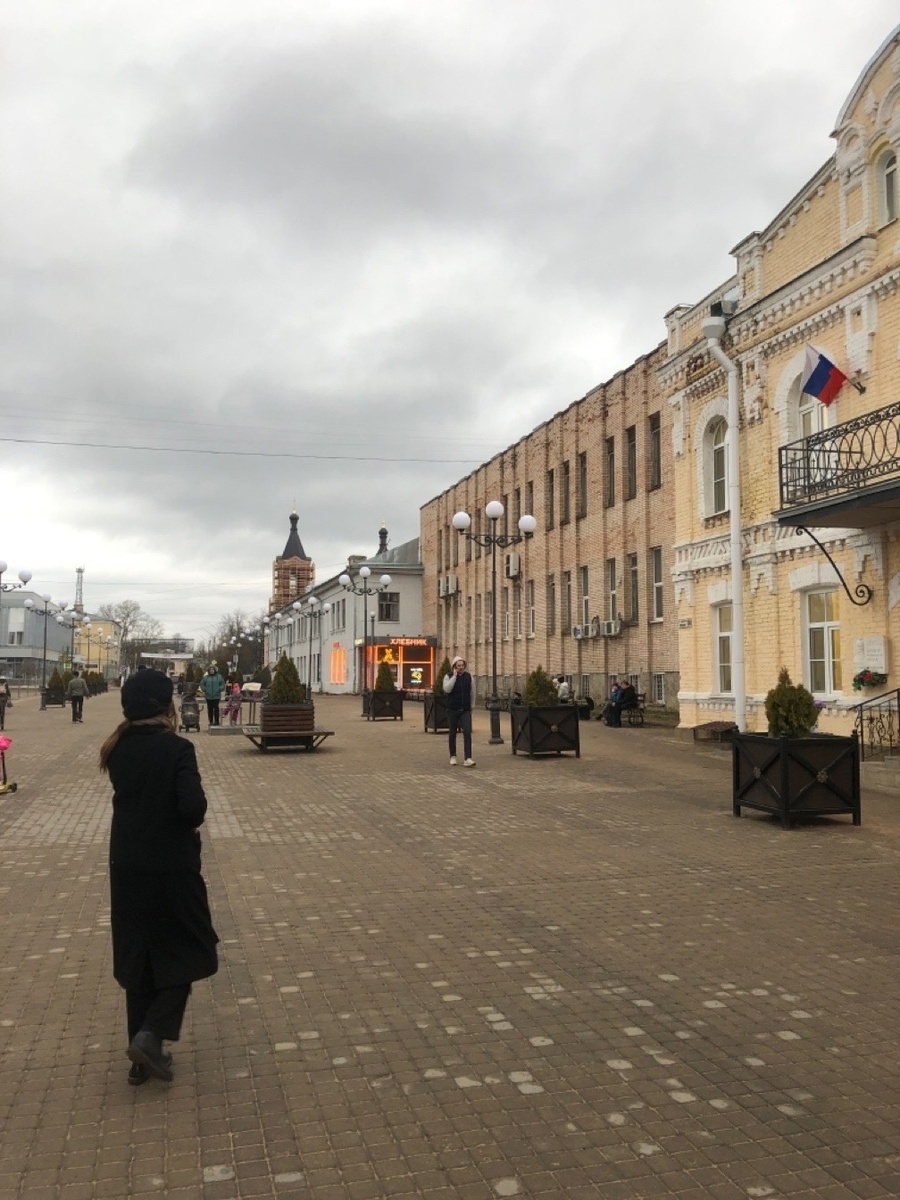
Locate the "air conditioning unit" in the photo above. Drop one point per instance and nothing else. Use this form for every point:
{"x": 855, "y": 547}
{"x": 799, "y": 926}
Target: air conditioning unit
{"x": 452, "y": 585}
{"x": 612, "y": 628}
{"x": 578, "y": 632}
{"x": 513, "y": 565}
{"x": 442, "y": 585}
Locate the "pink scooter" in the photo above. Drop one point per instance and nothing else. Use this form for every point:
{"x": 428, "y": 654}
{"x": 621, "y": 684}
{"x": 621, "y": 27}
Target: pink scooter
{"x": 5, "y": 785}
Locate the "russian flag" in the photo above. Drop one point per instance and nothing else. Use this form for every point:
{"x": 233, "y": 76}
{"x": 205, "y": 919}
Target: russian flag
{"x": 821, "y": 378}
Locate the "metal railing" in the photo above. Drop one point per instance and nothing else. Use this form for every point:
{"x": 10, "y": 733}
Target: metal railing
{"x": 878, "y": 725}
{"x": 836, "y": 462}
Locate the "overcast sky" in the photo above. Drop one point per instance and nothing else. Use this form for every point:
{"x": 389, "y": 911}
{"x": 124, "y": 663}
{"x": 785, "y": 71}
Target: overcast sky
{"x": 362, "y": 244}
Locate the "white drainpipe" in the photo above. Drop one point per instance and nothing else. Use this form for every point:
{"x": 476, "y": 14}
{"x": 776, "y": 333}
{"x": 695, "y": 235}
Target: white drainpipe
{"x": 714, "y": 330}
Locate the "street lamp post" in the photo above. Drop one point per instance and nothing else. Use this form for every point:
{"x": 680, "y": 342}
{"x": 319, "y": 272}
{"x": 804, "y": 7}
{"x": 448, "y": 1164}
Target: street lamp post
{"x": 45, "y": 612}
{"x": 365, "y": 591}
{"x": 70, "y": 619}
{"x": 527, "y": 525}
{"x": 24, "y": 577}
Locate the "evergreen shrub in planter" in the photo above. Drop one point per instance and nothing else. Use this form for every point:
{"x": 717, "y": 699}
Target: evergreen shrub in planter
{"x": 791, "y": 771}
{"x": 436, "y": 719}
{"x": 286, "y": 710}
{"x": 385, "y": 702}
{"x": 542, "y": 725}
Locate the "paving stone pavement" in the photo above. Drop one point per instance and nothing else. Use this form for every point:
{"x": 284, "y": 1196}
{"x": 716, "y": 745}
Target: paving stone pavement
{"x": 551, "y": 977}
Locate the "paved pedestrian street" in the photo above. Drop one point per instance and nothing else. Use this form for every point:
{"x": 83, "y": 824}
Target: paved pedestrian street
{"x": 555, "y": 977}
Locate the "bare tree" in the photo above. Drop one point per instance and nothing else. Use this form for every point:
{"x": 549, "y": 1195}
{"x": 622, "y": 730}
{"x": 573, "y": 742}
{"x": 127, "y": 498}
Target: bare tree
{"x": 138, "y": 629}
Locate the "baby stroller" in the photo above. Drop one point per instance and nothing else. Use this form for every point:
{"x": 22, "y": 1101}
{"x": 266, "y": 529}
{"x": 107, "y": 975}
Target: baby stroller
{"x": 190, "y": 713}
{"x": 5, "y": 785}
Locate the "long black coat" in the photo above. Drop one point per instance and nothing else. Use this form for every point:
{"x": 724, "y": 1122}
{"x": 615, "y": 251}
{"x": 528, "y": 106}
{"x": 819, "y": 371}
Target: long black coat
{"x": 159, "y": 908}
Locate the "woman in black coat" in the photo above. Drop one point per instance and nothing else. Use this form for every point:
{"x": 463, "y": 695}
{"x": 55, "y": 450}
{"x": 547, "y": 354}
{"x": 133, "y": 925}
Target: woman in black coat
{"x": 162, "y": 932}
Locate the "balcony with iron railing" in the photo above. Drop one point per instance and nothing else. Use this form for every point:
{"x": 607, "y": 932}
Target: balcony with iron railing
{"x": 848, "y": 475}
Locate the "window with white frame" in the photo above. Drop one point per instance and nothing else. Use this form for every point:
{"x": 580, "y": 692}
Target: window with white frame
{"x": 585, "y": 596}
{"x": 823, "y": 642}
{"x": 612, "y": 598}
{"x": 567, "y": 602}
{"x": 517, "y": 608}
{"x": 488, "y": 616}
{"x": 585, "y": 687}
{"x": 529, "y": 600}
{"x": 15, "y": 627}
{"x": 658, "y": 687}
{"x": 632, "y": 578}
{"x": 504, "y": 632}
{"x": 888, "y": 201}
{"x": 722, "y": 624}
{"x": 717, "y": 436}
{"x": 478, "y": 617}
{"x": 656, "y": 582}
{"x": 551, "y": 604}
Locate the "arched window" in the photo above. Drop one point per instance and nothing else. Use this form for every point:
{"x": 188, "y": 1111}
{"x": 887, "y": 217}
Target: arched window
{"x": 888, "y": 189}
{"x": 718, "y": 440}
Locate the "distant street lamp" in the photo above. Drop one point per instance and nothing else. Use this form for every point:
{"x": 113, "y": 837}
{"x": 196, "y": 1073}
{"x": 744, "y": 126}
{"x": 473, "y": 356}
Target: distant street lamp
{"x": 24, "y": 577}
{"x": 527, "y": 525}
{"x": 314, "y": 614}
{"x": 70, "y": 619}
{"x": 45, "y": 612}
{"x": 365, "y": 591}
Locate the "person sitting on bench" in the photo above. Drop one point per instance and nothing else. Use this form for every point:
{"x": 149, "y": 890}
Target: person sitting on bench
{"x": 622, "y": 697}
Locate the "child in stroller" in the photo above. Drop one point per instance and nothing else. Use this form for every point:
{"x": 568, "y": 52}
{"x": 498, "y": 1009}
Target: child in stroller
{"x": 190, "y": 713}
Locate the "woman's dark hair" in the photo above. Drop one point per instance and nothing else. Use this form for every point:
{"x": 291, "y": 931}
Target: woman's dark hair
{"x": 165, "y": 720}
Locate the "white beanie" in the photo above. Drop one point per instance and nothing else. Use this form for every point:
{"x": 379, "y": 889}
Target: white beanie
{"x": 459, "y": 658}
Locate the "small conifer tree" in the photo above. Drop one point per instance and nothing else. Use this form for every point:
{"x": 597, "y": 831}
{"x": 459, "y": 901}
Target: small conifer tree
{"x": 55, "y": 682}
{"x": 540, "y": 690}
{"x": 443, "y": 670}
{"x": 790, "y": 709}
{"x": 384, "y": 680}
{"x": 286, "y": 686}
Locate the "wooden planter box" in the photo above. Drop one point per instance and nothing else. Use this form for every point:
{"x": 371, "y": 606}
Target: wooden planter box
{"x": 287, "y": 718}
{"x": 383, "y": 706}
{"x": 796, "y": 777}
{"x": 55, "y": 696}
{"x": 436, "y": 719}
{"x": 551, "y": 730}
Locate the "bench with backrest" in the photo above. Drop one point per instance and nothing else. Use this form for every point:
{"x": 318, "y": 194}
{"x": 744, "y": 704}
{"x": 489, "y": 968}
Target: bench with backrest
{"x": 286, "y": 741}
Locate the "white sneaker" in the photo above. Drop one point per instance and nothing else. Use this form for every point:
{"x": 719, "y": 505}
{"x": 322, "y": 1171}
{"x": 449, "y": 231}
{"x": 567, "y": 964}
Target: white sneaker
{"x": 470, "y": 762}
{"x": 452, "y": 762}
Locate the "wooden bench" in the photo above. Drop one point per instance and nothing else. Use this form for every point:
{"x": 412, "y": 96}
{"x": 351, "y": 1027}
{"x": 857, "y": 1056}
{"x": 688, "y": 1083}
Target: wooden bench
{"x": 286, "y": 741}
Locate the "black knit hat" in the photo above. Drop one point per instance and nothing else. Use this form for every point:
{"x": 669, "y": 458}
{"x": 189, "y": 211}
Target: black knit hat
{"x": 146, "y": 694}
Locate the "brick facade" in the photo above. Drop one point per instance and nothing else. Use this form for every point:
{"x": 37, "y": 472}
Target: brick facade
{"x": 559, "y": 473}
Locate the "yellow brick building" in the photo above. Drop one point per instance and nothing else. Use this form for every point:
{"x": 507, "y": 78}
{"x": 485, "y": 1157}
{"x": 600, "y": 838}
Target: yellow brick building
{"x": 803, "y": 496}
{"x": 589, "y": 595}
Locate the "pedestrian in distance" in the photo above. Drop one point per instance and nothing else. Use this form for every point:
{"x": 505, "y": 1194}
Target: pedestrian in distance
{"x": 212, "y": 685}
{"x": 163, "y": 938}
{"x": 76, "y": 691}
{"x": 562, "y": 689}
{"x": 232, "y": 709}
{"x": 5, "y": 700}
{"x": 459, "y": 688}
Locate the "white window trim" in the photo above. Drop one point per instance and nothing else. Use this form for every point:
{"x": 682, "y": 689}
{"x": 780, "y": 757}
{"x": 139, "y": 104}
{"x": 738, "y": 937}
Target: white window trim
{"x": 711, "y": 412}
{"x": 831, "y": 693}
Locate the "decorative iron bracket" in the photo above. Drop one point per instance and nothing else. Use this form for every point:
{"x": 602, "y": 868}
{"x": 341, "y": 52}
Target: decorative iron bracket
{"x": 862, "y": 590}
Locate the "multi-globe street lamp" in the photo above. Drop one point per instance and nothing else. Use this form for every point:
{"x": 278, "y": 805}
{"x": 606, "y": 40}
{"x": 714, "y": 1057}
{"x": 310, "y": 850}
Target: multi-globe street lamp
{"x": 314, "y": 614}
{"x": 364, "y": 590}
{"x": 527, "y": 524}
{"x": 24, "y": 577}
{"x": 70, "y": 619}
{"x": 45, "y": 612}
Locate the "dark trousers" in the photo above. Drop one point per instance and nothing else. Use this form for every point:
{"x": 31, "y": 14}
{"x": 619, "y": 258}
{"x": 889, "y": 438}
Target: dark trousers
{"x": 212, "y": 711}
{"x": 159, "y": 1010}
{"x": 77, "y": 706}
{"x": 463, "y": 721}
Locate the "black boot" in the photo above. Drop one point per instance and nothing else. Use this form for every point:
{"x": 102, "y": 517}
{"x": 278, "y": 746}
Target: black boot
{"x": 146, "y": 1050}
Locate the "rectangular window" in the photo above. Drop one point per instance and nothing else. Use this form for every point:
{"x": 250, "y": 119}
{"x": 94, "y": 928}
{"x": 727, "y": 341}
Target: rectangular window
{"x": 529, "y": 600}
{"x": 823, "y": 642}
{"x": 529, "y": 498}
{"x": 585, "y": 596}
{"x": 517, "y": 505}
{"x": 566, "y": 625}
{"x": 656, "y": 583}
{"x": 548, "y": 499}
{"x": 504, "y": 632}
{"x": 517, "y": 608}
{"x": 440, "y": 550}
{"x": 564, "y": 497}
{"x": 468, "y": 619}
{"x": 582, "y": 484}
{"x": 338, "y": 664}
{"x": 388, "y": 606}
{"x": 478, "y": 630}
{"x": 15, "y": 626}
{"x": 631, "y": 462}
{"x": 488, "y": 617}
{"x": 609, "y": 492}
{"x": 551, "y": 604}
{"x": 633, "y": 593}
{"x": 654, "y": 452}
{"x": 612, "y": 598}
{"x": 723, "y": 648}
{"x": 658, "y": 687}
{"x": 585, "y": 687}
{"x": 504, "y": 500}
